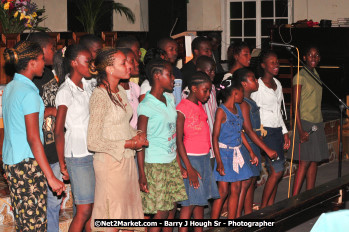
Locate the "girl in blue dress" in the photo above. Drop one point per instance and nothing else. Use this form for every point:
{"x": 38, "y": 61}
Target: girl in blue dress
{"x": 253, "y": 131}
{"x": 230, "y": 167}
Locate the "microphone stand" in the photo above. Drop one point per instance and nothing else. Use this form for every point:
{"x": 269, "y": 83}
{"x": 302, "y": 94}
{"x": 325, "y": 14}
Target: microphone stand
{"x": 342, "y": 107}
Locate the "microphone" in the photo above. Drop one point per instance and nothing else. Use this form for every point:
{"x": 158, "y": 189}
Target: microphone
{"x": 281, "y": 45}
{"x": 312, "y": 130}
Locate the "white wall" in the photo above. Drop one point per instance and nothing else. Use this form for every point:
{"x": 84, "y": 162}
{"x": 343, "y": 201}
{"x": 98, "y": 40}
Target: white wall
{"x": 140, "y": 9}
{"x": 56, "y": 12}
{"x": 320, "y": 9}
{"x": 204, "y": 15}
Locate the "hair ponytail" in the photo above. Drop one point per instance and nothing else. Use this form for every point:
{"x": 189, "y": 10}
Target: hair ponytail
{"x": 20, "y": 55}
{"x": 226, "y": 87}
{"x": 10, "y": 56}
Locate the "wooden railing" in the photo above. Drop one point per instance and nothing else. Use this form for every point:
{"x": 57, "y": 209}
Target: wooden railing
{"x": 295, "y": 210}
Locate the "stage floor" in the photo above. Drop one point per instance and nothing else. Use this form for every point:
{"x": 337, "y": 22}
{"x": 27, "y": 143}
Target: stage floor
{"x": 326, "y": 173}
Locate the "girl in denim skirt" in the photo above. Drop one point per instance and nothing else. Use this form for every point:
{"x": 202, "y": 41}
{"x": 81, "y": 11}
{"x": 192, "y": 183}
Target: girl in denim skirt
{"x": 76, "y": 162}
{"x": 270, "y": 99}
{"x": 230, "y": 167}
{"x": 193, "y": 142}
{"x": 253, "y": 131}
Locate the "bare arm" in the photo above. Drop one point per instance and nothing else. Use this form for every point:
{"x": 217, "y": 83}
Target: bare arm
{"x": 245, "y": 109}
{"x": 50, "y": 111}
{"x": 192, "y": 173}
{"x": 59, "y": 137}
{"x": 220, "y": 118}
{"x": 141, "y": 97}
{"x": 303, "y": 136}
{"x": 254, "y": 159}
{"x": 142, "y": 125}
{"x": 33, "y": 137}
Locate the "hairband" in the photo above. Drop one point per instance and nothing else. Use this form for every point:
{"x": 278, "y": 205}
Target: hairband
{"x": 229, "y": 83}
{"x": 63, "y": 51}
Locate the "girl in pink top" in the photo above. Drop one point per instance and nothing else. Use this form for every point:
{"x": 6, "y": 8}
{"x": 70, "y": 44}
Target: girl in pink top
{"x": 193, "y": 143}
{"x": 132, "y": 89}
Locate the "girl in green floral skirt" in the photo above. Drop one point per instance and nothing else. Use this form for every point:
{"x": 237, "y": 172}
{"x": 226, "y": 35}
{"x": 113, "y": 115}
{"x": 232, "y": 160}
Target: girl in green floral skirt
{"x": 160, "y": 177}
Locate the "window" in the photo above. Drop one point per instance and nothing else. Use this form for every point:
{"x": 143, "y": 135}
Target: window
{"x": 251, "y": 20}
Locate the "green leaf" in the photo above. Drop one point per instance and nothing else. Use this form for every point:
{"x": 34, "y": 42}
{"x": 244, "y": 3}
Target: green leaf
{"x": 91, "y": 11}
{"x": 121, "y": 9}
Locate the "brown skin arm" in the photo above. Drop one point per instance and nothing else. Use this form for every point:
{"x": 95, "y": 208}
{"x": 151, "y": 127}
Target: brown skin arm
{"x": 193, "y": 175}
{"x": 142, "y": 125}
{"x": 254, "y": 159}
{"x": 303, "y": 136}
{"x": 245, "y": 109}
{"x": 220, "y": 118}
{"x": 141, "y": 97}
{"x": 59, "y": 137}
{"x": 50, "y": 111}
{"x": 33, "y": 137}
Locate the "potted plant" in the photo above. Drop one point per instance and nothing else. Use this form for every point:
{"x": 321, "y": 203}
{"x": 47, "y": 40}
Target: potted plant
{"x": 92, "y": 10}
{"x": 19, "y": 15}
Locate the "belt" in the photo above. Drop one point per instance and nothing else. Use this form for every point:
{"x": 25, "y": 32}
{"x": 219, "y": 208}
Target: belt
{"x": 238, "y": 160}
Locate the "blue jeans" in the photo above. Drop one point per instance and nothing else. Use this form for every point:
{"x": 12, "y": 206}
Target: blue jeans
{"x": 53, "y": 202}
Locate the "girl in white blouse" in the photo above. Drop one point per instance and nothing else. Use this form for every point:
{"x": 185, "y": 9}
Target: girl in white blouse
{"x": 269, "y": 98}
{"x": 76, "y": 162}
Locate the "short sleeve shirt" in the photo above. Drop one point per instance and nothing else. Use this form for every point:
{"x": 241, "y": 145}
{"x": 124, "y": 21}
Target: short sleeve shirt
{"x": 76, "y": 123}
{"x": 311, "y": 95}
{"x": 161, "y": 129}
{"x": 20, "y": 98}
{"x": 196, "y": 130}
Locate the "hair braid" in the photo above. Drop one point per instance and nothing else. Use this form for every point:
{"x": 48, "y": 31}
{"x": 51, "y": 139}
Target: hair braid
{"x": 104, "y": 59}
{"x": 21, "y": 54}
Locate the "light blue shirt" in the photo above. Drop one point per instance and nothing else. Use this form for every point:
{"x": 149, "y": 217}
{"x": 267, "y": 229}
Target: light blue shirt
{"x": 21, "y": 97}
{"x": 161, "y": 129}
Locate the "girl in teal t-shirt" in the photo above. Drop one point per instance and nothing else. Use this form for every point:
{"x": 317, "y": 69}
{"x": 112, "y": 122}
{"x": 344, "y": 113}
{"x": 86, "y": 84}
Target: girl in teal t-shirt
{"x": 160, "y": 177}
{"x": 25, "y": 164}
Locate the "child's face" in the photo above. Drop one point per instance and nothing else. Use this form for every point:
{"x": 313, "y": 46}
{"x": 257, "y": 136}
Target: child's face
{"x": 251, "y": 82}
{"x": 312, "y": 58}
{"x": 202, "y": 91}
{"x": 205, "y": 49}
{"x": 121, "y": 68}
{"x": 131, "y": 59}
{"x": 210, "y": 70}
{"x": 81, "y": 63}
{"x": 271, "y": 65}
{"x": 94, "y": 47}
{"x": 171, "y": 49}
{"x": 49, "y": 50}
{"x": 238, "y": 95}
{"x": 244, "y": 57}
{"x": 136, "y": 51}
{"x": 167, "y": 79}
